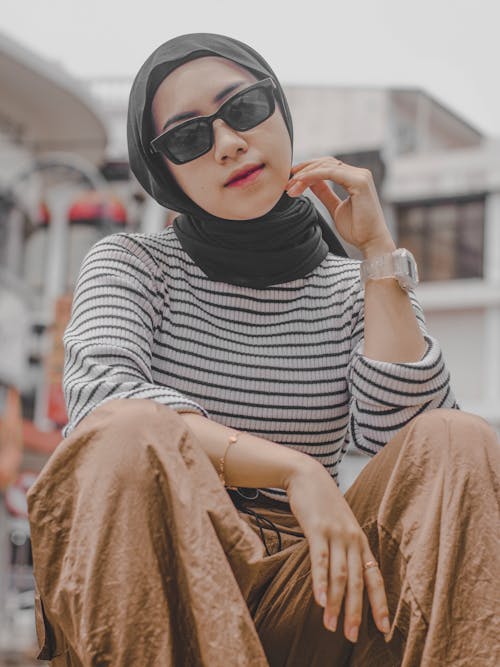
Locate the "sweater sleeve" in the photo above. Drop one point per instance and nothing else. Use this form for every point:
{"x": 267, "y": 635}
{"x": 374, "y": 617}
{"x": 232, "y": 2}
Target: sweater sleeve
{"x": 387, "y": 395}
{"x": 117, "y": 307}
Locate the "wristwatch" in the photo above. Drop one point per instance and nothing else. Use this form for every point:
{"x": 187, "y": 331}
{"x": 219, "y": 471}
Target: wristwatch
{"x": 399, "y": 264}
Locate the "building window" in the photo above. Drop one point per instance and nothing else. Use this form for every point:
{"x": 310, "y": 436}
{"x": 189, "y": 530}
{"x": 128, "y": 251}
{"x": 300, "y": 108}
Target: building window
{"x": 446, "y": 237}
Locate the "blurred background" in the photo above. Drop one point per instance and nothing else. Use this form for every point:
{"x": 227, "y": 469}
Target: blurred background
{"x": 408, "y": 90}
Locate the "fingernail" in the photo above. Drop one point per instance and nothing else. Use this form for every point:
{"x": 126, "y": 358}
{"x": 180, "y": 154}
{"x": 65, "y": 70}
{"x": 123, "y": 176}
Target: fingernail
{"x": 386, "y": 626}
{"x": 294, "y": 189}
{"x": 353, "y": 634}
{"x": 331, "y": 622}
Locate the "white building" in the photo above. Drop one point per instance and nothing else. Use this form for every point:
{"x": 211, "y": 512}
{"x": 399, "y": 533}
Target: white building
{"x": 439, "y": 181}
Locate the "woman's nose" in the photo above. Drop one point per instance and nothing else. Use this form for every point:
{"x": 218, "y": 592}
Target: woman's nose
{"x": 226, "y": 140}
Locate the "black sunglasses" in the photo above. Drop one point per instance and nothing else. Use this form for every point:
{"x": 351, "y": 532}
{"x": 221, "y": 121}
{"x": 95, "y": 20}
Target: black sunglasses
{"x": 194, "y": 137}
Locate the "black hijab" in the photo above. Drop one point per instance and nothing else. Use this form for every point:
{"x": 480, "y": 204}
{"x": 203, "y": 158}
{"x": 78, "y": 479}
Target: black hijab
{"x": 284, "y": 244}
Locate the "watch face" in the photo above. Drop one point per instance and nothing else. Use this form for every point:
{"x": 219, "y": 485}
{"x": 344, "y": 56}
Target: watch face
{"x": 405, "y": 268}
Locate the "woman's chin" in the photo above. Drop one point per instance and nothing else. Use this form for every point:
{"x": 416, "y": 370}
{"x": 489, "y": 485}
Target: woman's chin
{"x": 253, "y": 209}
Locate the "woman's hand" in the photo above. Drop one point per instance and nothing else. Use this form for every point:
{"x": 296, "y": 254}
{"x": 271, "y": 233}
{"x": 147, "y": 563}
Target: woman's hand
{"x": 338, "y": 549}
{"x": 359, "y": 219}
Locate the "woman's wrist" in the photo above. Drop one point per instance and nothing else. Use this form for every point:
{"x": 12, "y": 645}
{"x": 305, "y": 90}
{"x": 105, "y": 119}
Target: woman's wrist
{"x": 307, "y": 467}
{"x": 378, "y": 246}
{"x": 251, "y": 461}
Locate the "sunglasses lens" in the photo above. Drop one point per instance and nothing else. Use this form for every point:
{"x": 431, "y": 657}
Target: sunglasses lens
{"x": 189, "y": 141}
{"x": 249, "y": 109}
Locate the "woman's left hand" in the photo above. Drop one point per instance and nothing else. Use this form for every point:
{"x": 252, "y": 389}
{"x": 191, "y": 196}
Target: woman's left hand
{"x": 359, "y": 218}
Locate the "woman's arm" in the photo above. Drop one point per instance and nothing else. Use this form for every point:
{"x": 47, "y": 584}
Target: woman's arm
{"x": 391, "y": 331}
{"x": 251, "y": 461}
{"x": 117, "y": 305}
{"x": 396, "y": 370}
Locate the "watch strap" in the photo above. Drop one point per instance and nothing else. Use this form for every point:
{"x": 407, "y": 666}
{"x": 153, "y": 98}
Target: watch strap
{"x": 399, "y": 264}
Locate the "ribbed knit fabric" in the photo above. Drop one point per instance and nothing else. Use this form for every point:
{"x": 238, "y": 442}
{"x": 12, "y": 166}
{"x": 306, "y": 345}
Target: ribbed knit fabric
{"x": 285, "y": 363}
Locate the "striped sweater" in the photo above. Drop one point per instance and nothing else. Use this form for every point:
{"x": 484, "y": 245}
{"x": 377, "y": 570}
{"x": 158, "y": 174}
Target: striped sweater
{"x": 285, "y": 363}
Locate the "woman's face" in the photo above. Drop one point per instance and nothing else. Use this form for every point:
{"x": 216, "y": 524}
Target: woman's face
{"x": 192, "y": 88}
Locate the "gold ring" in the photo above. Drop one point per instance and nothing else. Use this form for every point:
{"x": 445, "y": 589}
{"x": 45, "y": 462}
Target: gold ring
{"x": 370, "y": 563}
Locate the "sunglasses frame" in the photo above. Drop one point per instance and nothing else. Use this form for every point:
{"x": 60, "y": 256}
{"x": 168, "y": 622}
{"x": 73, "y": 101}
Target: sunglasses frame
{"x": 267, "y": 84}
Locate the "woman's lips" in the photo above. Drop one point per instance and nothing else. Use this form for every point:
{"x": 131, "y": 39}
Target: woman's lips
{"x": 252, "y": 176}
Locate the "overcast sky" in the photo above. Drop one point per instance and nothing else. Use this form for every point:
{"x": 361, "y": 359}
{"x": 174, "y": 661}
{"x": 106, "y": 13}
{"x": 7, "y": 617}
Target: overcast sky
{"x": 451, "y": 48}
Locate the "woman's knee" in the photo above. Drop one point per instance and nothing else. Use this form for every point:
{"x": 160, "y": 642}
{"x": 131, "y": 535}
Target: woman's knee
{"x": 127, "y": 431}
{"x": 460, "y": 429}
{"x": 134, "y": 417}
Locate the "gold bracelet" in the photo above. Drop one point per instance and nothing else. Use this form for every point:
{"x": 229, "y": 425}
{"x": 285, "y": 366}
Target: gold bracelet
{"x": 232, "y": 438}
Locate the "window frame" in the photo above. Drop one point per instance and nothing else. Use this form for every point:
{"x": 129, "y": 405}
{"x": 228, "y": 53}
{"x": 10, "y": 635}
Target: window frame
{"x": 426, "y": 205}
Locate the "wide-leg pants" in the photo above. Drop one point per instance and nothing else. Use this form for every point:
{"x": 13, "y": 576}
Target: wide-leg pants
{"x": 141, "y": 558}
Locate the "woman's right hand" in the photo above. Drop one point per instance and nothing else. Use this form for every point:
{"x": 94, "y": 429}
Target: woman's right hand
{"x": 338, "y": 549}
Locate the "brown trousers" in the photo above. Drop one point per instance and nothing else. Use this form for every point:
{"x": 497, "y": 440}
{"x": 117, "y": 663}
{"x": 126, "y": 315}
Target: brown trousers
{"x": 142, "y": 559}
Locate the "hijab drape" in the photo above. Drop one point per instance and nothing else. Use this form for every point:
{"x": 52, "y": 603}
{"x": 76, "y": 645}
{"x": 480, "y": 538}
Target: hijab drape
{"x": 284, "y": 244}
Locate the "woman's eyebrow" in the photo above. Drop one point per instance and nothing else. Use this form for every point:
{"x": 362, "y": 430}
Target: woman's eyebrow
{"x": 191, "y": 114}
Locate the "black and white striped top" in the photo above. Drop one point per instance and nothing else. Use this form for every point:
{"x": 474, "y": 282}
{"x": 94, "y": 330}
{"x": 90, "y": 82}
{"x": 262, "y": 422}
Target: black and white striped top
{"x": 285, "y": 363}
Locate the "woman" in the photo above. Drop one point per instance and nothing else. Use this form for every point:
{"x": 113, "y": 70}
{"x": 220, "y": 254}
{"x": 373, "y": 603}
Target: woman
{"x": 214, "y": 374}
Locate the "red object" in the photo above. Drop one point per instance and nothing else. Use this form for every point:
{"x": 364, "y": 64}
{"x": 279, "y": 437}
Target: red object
{"x": 11, "y": 438}
{"x": 94, "y": 206}
{"x": 56, "y": 408}
{"x": 54, "y": 362}
{"x": 43, "y": 442}
{"x": 17, "y": 434}
{"x": 43, "y": 216}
